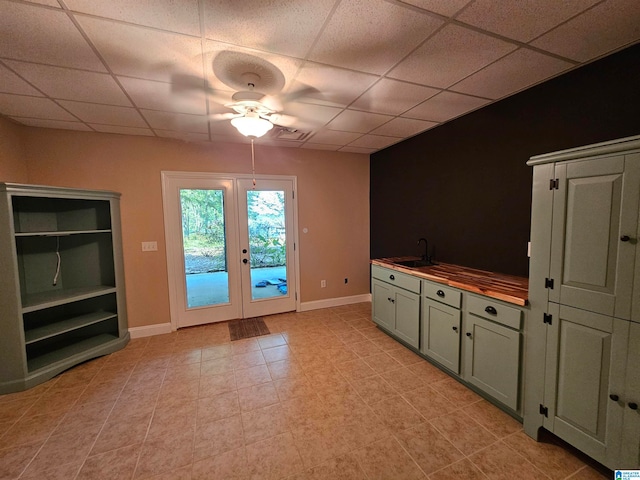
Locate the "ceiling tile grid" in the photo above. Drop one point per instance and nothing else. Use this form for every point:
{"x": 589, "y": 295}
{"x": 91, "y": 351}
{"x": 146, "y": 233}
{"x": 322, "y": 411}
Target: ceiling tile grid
{"x": 357, "y": 75}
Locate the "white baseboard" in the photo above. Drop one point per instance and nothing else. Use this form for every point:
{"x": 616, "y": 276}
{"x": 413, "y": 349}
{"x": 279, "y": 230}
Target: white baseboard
{"x": 150, "y": 330}
{"x": 334, "y": 302}
{"x": 162, "y": 328}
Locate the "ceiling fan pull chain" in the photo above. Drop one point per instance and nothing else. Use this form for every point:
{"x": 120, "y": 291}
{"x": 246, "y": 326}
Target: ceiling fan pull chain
{"x": 253, "y": 165}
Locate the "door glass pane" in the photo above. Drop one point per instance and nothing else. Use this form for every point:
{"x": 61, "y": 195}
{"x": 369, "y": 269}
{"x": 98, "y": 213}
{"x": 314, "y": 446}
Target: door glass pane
{"x": 267, "y": 243}
{"x": 205, "y": 250}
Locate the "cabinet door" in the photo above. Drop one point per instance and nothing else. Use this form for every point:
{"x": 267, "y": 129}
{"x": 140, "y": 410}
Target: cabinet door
{"x": 383, "y": 304}
{"x": 492, "y": 359}
{"x": 630, "y": 448}
{"x": 441, "y": 334}
{"x": 594, "y": 209}
{"x": 586, "y": 355}
{"x": 407, "y": 326}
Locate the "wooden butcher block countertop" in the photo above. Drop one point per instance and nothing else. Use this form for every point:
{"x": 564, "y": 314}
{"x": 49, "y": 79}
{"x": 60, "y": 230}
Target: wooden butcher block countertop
{"x": 508, "y": 288}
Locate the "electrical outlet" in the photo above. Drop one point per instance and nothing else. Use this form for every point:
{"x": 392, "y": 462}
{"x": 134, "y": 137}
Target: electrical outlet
{"x": 149, "y": 246}
{"x": 323, "y": 283}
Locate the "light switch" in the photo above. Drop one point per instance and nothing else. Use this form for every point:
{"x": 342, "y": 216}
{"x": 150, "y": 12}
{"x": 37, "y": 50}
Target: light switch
{"x": 149, "y": 246}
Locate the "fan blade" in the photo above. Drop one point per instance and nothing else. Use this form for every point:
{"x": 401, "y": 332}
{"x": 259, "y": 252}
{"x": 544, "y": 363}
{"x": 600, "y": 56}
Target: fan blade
{"x": 218, "y": 117}
{"x": 272, "y": 103}
{"x": 183, "y": 83}
{"x": 305, "y": 91}
{"x": 283, "y": 120}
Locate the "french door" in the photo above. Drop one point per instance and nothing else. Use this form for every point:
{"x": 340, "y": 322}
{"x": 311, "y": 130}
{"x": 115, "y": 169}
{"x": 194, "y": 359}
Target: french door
{"x": 230, "y": 246}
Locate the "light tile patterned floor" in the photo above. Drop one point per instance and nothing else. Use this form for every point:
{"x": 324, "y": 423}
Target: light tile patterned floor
{"x": 325, "y": 396}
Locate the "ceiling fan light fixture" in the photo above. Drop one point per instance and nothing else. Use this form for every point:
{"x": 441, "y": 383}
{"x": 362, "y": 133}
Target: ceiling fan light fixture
{"x": 251, "y": 125}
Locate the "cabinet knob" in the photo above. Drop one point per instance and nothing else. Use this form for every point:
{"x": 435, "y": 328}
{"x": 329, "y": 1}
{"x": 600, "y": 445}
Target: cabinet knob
{"x": 491, "y": 310}
{"x": 633, "y": 405}
{"x": 625, "y": 238}
{"x": 440, "y": 293}
{"x": 392, "y": 300}
{"x": 455, "y": 329}
{"x": 244, "y": 260}
{"x": 468, "y": 334}
{"x": 391, "y": 277}
{"x": 614, "y": 397}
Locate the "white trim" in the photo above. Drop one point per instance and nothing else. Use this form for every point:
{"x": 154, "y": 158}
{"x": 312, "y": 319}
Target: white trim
{"x": 334, "y": 302}
{"x": 174, "y": 259}
{"x": 150, "y": 330}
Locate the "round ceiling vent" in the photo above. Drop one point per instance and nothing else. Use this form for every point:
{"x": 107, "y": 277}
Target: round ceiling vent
{"x": 242, "y": 71}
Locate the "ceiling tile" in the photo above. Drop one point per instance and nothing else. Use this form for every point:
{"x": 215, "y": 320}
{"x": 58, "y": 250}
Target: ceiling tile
{"x": 445, "y": 106}
{"x": 374, "y": 141}
{"x": 12, "y": 83}
{"x": 512, "y": 73}
{"x": 174, "y": 16}
{"x": 522, "y": 20}
{"x": 371, "y": 35}
{"x": 33, "y": 107}
{"x": 357, "y": 150}
{"x": 442, "y": 7}
{"x": 279, "y": 26}
{"x": 123, "y": 130}
{"x": 60, "y": 124}
{"x": 334, "y": 137}
{"x": 403, "y": 127}
{"x": 65, "y": 83}
{"x": 180, "y": 122}
{"x": 449, "y": 56}
{"x": 50, "y": 3}
{"x": 104, "y": 114}
{"x": 320, "y": 146}
{"x": 611, "y": 25}
{"x": 335, "y": 86}
{"x": 45, "y": 36}
{"x": 142, "y": 52}
{"x": 361, "y": 122}
{"x": 393, "y": 97}
{"x": 159, "y": 96}
{"x": 184, "y": 136}
{"x": 224, "y": 127}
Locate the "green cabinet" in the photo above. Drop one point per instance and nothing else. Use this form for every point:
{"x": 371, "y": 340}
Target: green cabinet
{"x": 396, "y": 303}
{"x": 62, "y": 281}
{"x": 584, "y": 287}
{"x": 492, "y": 342}
{"x": 441, "y": 327}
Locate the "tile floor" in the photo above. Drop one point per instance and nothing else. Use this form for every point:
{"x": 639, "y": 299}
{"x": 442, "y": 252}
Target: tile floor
{"x": 325, "y": 396}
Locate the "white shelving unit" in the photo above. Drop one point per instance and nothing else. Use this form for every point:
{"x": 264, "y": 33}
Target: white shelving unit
{"x": 61, "y": 281}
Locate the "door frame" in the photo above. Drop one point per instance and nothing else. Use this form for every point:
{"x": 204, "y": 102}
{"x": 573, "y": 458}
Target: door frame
{"x": 173, "y": 240}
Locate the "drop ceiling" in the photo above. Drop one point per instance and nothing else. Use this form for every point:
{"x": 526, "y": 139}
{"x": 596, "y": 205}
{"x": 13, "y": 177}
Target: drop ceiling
{"x": 359, "y": 75}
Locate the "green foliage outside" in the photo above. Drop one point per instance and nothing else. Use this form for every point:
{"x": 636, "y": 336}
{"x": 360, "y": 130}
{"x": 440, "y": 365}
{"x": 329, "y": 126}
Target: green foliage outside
{"x": 203, "y": 229}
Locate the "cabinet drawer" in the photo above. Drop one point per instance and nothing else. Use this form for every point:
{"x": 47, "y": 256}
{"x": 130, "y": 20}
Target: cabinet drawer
{"x": 498, "y": 312}
{"x": 439, "y": 292}
{"x": 394, "y": 277}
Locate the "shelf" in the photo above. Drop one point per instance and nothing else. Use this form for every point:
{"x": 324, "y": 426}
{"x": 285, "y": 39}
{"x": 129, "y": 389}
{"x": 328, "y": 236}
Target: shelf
{"x": 63, "y": 326}
{"x": 39, "y": 301}
{"x": 82, "y": 346}
{"x": 61, "y": 233}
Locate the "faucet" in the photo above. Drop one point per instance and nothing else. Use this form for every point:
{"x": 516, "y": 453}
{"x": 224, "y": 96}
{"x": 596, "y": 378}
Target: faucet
{"x": 425, "y": 257}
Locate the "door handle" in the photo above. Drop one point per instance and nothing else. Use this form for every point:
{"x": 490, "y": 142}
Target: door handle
{"x": 244, "y": 260}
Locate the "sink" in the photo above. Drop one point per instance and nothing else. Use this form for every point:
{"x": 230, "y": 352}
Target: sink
{"x": 415, "y": 263}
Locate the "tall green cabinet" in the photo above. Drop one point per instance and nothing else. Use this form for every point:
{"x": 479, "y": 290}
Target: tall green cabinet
{"x": 581, "y": 370}
{"x": 61, "y": 281}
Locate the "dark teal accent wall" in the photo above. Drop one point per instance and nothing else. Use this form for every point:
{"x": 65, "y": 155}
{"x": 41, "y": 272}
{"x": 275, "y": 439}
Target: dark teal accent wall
{"x": 465, "y": 185}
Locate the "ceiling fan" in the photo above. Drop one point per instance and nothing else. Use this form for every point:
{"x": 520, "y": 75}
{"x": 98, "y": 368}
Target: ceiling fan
{"x": 257, "y": 102}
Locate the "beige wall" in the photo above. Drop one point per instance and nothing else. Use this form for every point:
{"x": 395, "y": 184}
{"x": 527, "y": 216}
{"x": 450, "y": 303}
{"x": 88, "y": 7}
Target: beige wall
{"x": 13, "y": 164}
{"x": 333, "y": 200}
